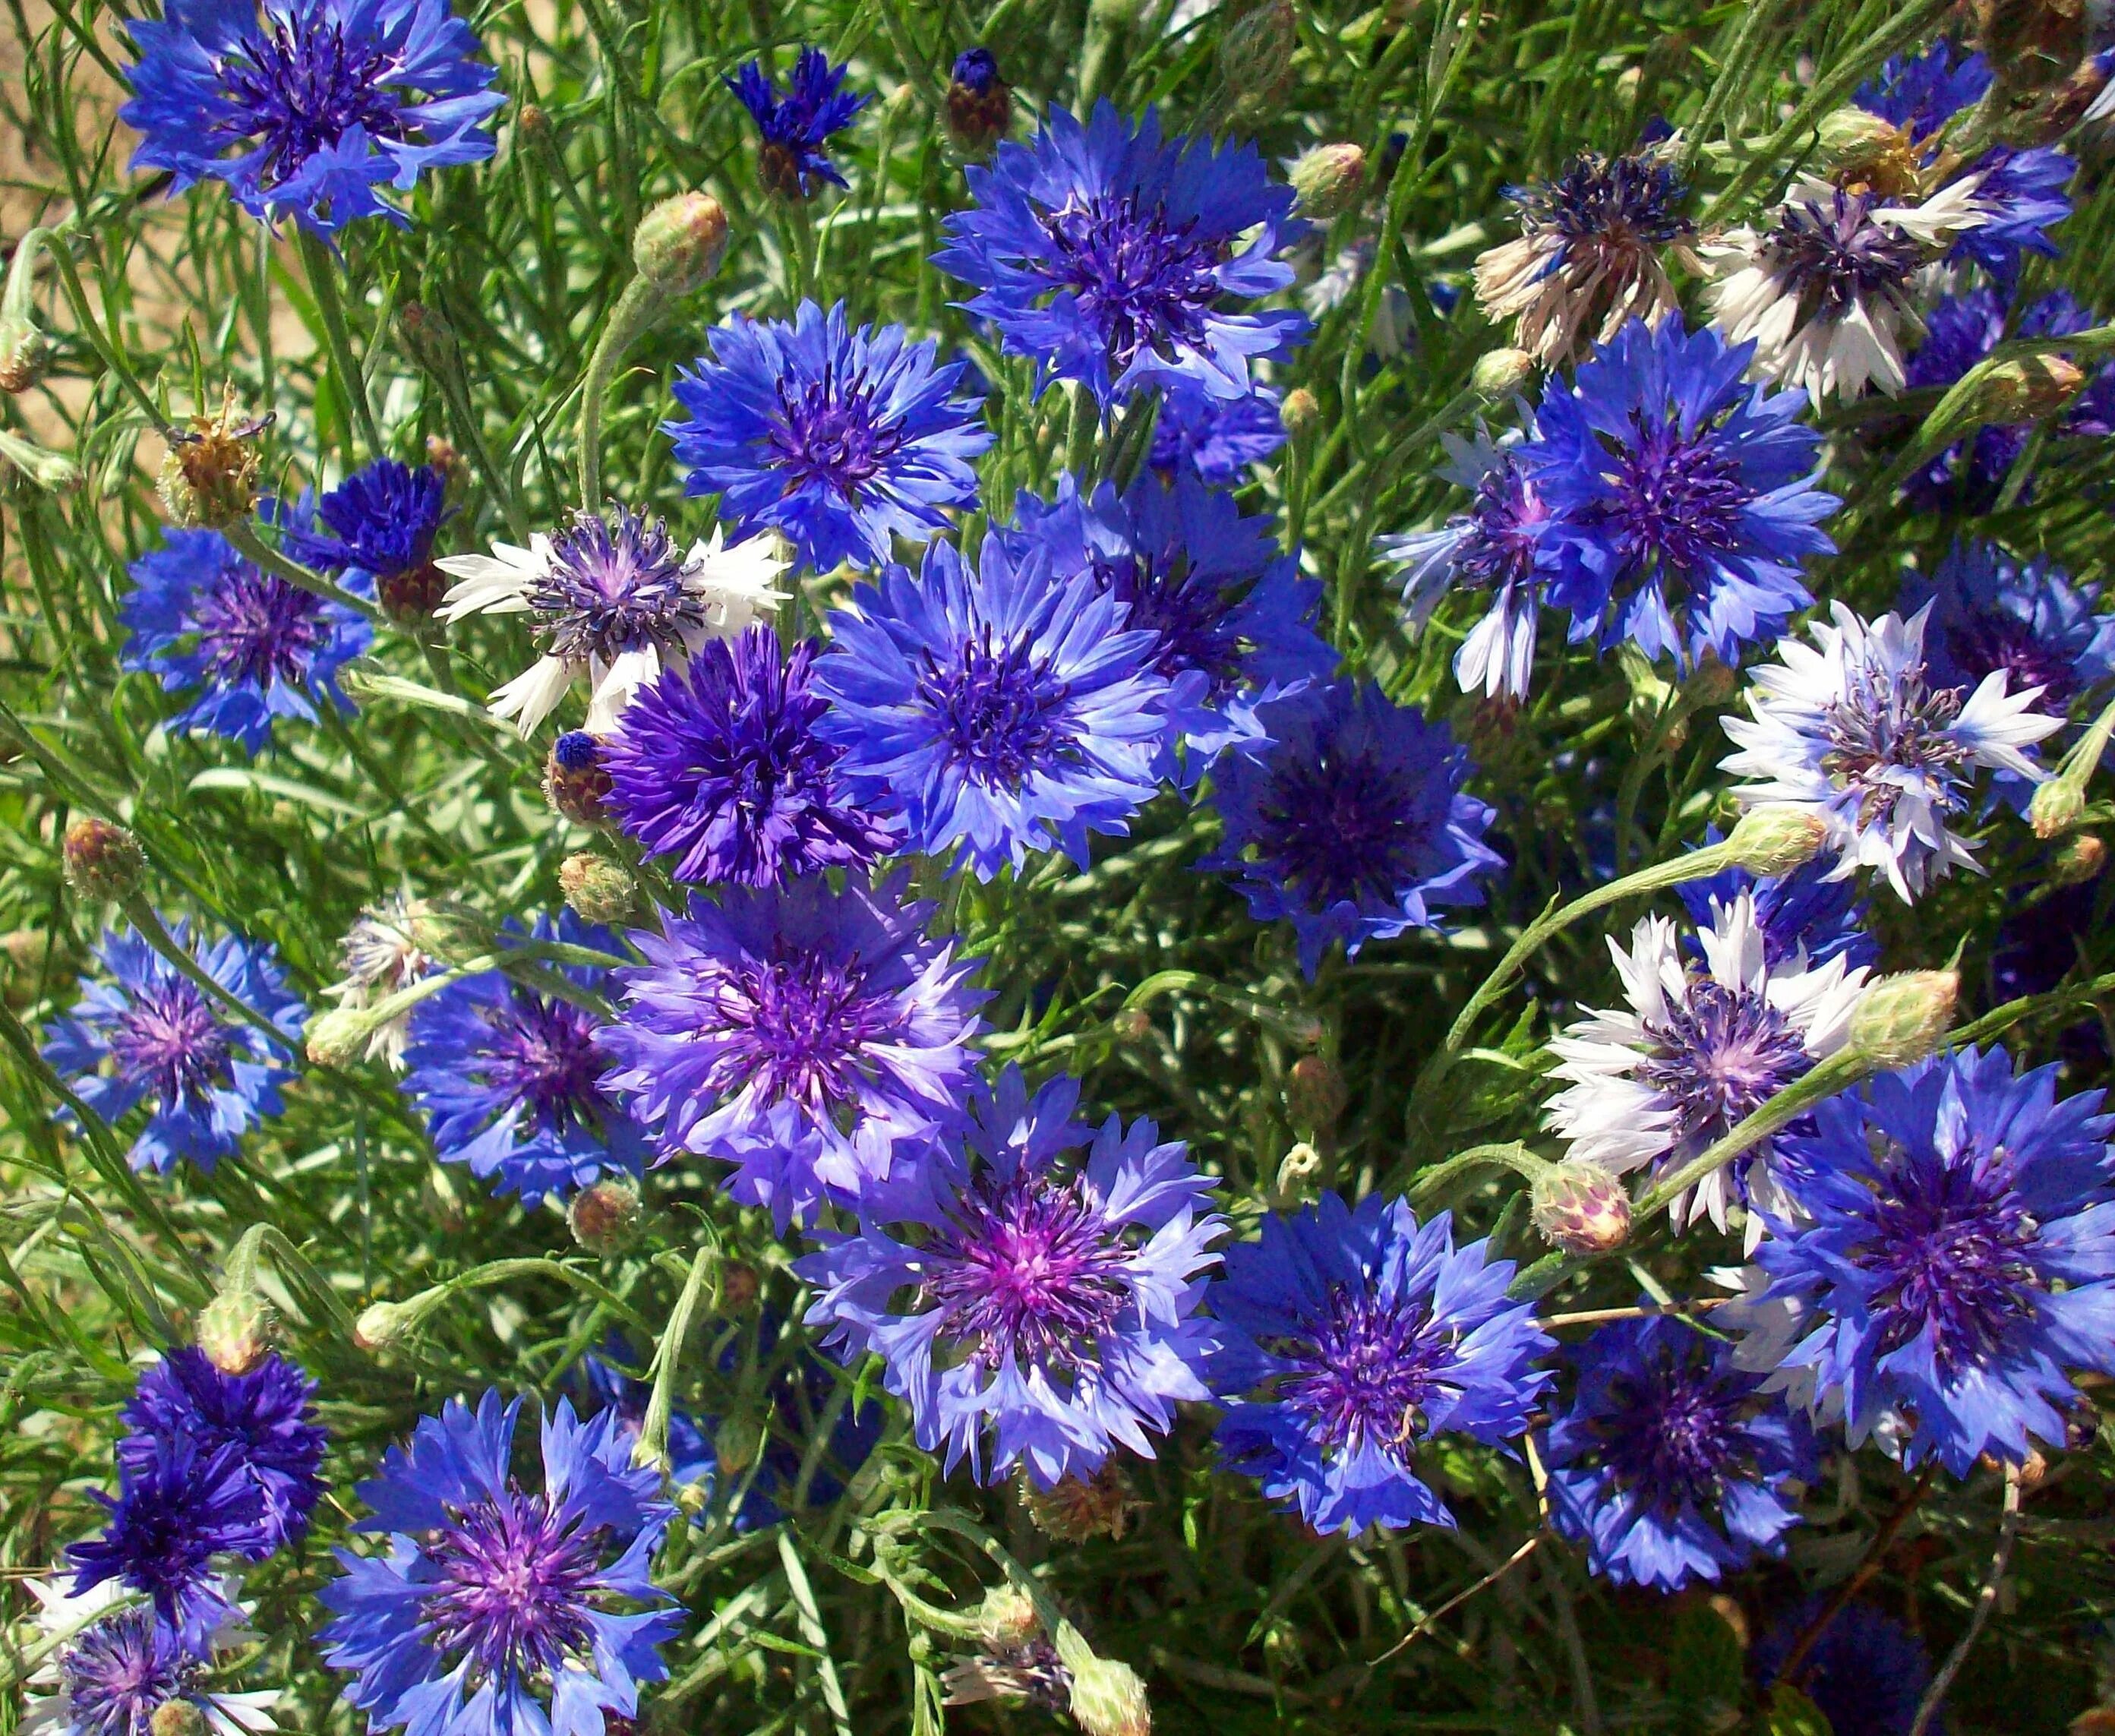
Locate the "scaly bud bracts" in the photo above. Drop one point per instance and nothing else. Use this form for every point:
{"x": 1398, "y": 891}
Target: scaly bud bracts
{"x": 1006, "y": 1617}
{"x": 380, "y": 1325}
{"x": 1075, "y": 1509}
{"x": 1498, "y": 373}
{"x": 574, "y": 781}
{"x": 2079, "y": 859}
{"x": 2027, "y": 388}
{"x": 1314, "y": 1093}
{"x": 177, "y": 1717}
{"x": 979, "y": 102}
{"x": 24, "y": 353}
{"x": 1301, "y": 411}
{"x": 605, "y": 1216}
{"x": 102, "y": 860}
{"x": 1902, "y": 1019}
{"x": 209, "y": 477}
{"x": 2056, "y": 807}
{"x": 1580, "y": 1209}
{"x": 236, "y": 1330}
{"x": 338, "y": 1037}
{"x": 428, "y": 339}
{"x": 740, "y": 1286}
{"x": 1776, "y": 839}
{"x": 1108, "y": 1698}
{"x": 601, "y": 890}
{"x": 1326, "y": 180}
{"x": 679, "y": 243}
{"x": 1255, "y": 53}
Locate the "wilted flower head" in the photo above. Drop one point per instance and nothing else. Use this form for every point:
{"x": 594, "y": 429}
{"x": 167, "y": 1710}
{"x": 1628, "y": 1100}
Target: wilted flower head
{"x": 794, "y": 129}
{"x": 382, "y": 954}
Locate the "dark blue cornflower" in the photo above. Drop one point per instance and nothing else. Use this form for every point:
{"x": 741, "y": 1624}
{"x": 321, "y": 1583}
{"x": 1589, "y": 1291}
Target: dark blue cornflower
{"x": 793, "y": 129}
{"x": 1109, "y": 256}
{"x": 266, "y": 1415}
{"x": 998, "y": 709}
{"x": 1348, "y": 819}
{"x": 1685, "y": 497}
{"x": 1805, "y": 911}
{"x": 979, "y": 101}
{"x": 150, "y": 1035}
{"x": 498, "y": 1609}
{"x": 1351, "y": 1338}
{"x": 1960, "y": 1263}
{"x": 1050, "y": 1311}
{"x": 1991, "y": 612}
{"x": 1232, "y": 621}
{"x": 510, "y": 1078}
{"x": 308, "y": 107}
{"x": 812, "y": 1038}
{"x": 180, "y": 1508}
{"x": 1669, "y": 1464}
{"x": 1867, "y": 1673}
{"x": 381, "y": 521}
{"x": 724, "y": 770}
{"x": 841, "y": 440}
{"x": 1218, "y": 438}
{"x": 1920, "y": 94}
{"x": 241, "y": 645}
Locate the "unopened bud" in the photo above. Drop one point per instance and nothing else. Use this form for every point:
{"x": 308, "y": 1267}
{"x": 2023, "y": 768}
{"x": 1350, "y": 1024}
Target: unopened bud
{"x": 1300, "y": 412}
{"x": 679, "y": 242}
{"x": 429, "y": 339}
{"x": 601, "y": 890}
{"x": 53, "y": 472}
{"x": 102, "y": 860}
{"x": 1298, "y": 1168}
{"x": 979, "y": 102}
{"x": 177, "y": 1717}
{"x": 381, "y": 1326}
{"x": 1314, "y": 1093}
{"x": 740, "y": 1285}
{"x": 410, "y": 595}
{"x": 1902, "y": 1019}
{"x": 443, "y": 457}
{"x": 1006, "y": 1617}
{"x": 736, "y": 1444}
{"x": 605, "y": 1216}
{"x": 2056, "y": 807}
{"x": 2026, "y": 388}
{"x": 574, "y": 781}
{"x": 1326, "y": 180}
{"x": 1075, "y": 1509}
{"x": 1711, "y": 684}
{"x": 1498, "y": 373}
{"x": 1131, "y": 1025}
{"x": 2080, "y": 858}
{"x": 237, "y": 1330}
{"x": 1776, "y": 839}
{"x": 1580, "y": 1208}
{"x": 1108, "y": 1698}
{"x": 2031, "y": 44}
{"x": 532, "y": 122}
{"x": 24, "y": 353}
{"x": 2065, "y": 107}
{"x": 338, "y": 1037}
{"x": 209, "y": 477}
{"x": 1255, "y": 53}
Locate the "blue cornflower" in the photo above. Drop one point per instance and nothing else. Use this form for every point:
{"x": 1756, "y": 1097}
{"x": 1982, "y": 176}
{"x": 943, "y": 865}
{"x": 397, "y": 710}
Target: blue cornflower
{"x": 114, "y": 1669}
{"x": 1685, "y": 496}
{"x": 998, "y": 709}
{"x": 381, "y": 522}
{"x": 1866, "y": 1673}
{"x": 1018, "y": 1291}
{"x": 511, "y": 1080}
{"x": 1670, "y": 1463}
{"x": 1803, "y": 912}
{"x": 1921, "y": 93}
{"x": 1352, "y": 1337}
{"x": 812, "y": 1038}
{"x": 1348, "y": 818}
{"x": 151, "y": 1035}
{"x": 1233, "y": 621}
{"x": 1218, "y": 438}
{"x": 724, "y": 770}
{"x": 1990, "y": 612}
{"x": 266, "y": 1415}
{"x": 791, "y": 160}
{"x": 180, "y": 1508}
{"x": 841, "y": 440}
{"x": 498, "y": 1610}
{"x": 241, "y": 645}
{"x": 322, "y": 102}
{"x": 1108, "y": 256}
{"x": 1960, "y": 1263}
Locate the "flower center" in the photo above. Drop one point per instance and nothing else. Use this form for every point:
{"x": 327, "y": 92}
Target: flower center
{"x": 513, "y": 1582}
{"x": 1028, "y": 1269}
{"x": 1676, "y": 499}
{"x": 1719, "y": 1053}
{"x": 252, "y": 627}
{"x": 1997, "y": 640}
{"x": 169, "y": 1042}
{"x": 830, "y": 435}
{"x": 1621, "y": 206}
{"x": 1834, "y": 258}
{"x": 1140, "y": 283}
{"x": 1892, "y": 732}
{"x": 298, "y": 86}
{"x": 999, "y": 709}
{"x": 119, "y": 1671}
{"x": 614, "y": 585}
{"x": 1366, "y": 1370}
{"x": 1340, "y": 828}
{"x": 1507, "y": 520}
{"x": 807, "y": 1027}
{"x": 1674, "y": 1438}
{"x": 543, "y": 1053}
{"x": 1191, "y": 619}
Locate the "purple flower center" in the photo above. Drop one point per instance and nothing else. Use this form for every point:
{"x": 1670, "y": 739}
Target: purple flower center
{"x": 804, "y": 1029}
{"x": 614, "y": 585}
{"x": 512, "y": 1584}
{"x": 1340, "y": 827}
{"x": 299, "y": 86}
{"x": 1833, "y": 258}
{"x": 1984, "y": 642}
{"x": 1142, "y": 283}
{"x": 830, "y": 436}
{"x": 1029, "y": 1269}
{"x": 1506, "y": 525}
{"x": 1950, "y": 1244}
{"x": 118, "y": 1671}
{"x": 1192, "y": 619}
{"x": 998, "y": 709}
{"x": 1719, "y": 1053}
{"x": 1366, "y": 1370}
{"x": 542, "y": 1054}
{"x": 1673, "y": 1436}
{"x": 1886, "y": 726}
{"x": 170, "y": 1043}
{"x": 1629, "y": 203}
{"x": 254, "y": 627}
{"x": 1674, "y": 499}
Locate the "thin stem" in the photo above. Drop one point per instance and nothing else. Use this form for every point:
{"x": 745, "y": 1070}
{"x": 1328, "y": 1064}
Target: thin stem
{"x": 147, "y": 920}
{"x": 1986, "y": 1600}
{"x": 321, "y": 266}
{"x": 1460, "y": 1598}
{"x": 1794, "y": 1667}
{"x": 653, "y": 1445}
{"x": 254, "y": 549}
{"x": 638, "y": 308}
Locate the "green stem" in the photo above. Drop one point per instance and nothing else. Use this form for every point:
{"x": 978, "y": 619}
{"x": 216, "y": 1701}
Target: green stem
{"x": 406, "y": 1315}
{"x": 1513, "y": 1155}
{"x": 636, "y": 310}
{"x": 321, "y": 266}
{"x": 92, "y": 329}
{"x": 653, "y": 1446}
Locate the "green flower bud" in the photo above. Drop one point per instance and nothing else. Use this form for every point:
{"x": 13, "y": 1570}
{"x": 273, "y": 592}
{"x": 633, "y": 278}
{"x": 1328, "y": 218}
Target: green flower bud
{"x": 605, "y": 1217}
{"x": 53, "y": 472}
{"x": 2079, "y": 859}
{"x": 2056, "y": 806}
{"x": 1902, "y": 1019}
{"x": 236, "y": 1330}
{"x": 1580, "y": 1208}
{"x": 1314, "y": 1093}
{"x": 1255, "y": 53}
{"x": 601, "y": 890}
{"x": 428, "y": 338}
{"x": 740, "y": 1285}
{"x": 338, "y": 1038}
{"x": 679, "y": 243}
{"x": 1776, "y": 839}
{"x": 2026, "y": 388}
{"x": 735, "y": 1444}
{"x": 24, "y": 353}
{"x": 1108, "y": 1699}
{"x": 381, "y": 1326}
{"x": 178, "y": 1717}
{"x": 1326, "y": 180}
{"x": 102, "y": 860}
{"x": 1300, "y": 412}
{"x": 1498, "y": 373}
{"x": 1007, "y": 1617}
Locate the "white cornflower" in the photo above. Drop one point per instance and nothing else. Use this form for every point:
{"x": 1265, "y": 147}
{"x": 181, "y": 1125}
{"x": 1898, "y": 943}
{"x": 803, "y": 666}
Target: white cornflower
{"x": 380, "y": 955}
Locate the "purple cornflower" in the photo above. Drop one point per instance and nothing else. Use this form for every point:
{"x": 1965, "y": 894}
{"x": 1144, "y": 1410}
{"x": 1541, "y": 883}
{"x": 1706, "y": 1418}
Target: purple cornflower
{"x": 1684, "y": 497}
{"x": 241, "y": 645}
{"x": 1350, "y": 1339}
{"x": 1960, "y": 1262}
{"x": 793, "y": 129}
{"x": 1018, "y": 1291}
{"x": 1990, "y": 612}
{"x": 1347, "y": 818}
{"x": 497, "y": 1609}
{"x": 266, "y": 1415}
{"x": 180, "y": 1508}
{"x": 1108, "y": 256}
{"x": 1232, "y": 620}
{"x": 841, "y": 440}
{"x": 1866, "y": 1673}
{"x": 811, "y": 1038}
{"x": 724, "y": 769}
{"x": 1804, "y": 913}
{"x": 152, "y": 1036}
{"x": 511, "y": 1080}
{"x": 381, "y": 521}
{"x": 998, "y": 709}
{"x": 115, "y": 1669}
{"x": 1669, "y": 1464}
{"x": 1218, "y": 438}
{"x": 309, "y": 106}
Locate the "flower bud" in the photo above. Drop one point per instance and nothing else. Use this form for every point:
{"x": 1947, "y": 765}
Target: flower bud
{"x": 1498, "y": 373}
{"x": 573, "y": 782}
{"x": 102, "y": 860}
{"x": 1580, "y": 1208}
{"x": 53, "y": 472}
{"x": 1711, "y": 685}
{"x": 1776, "y": 839}
{"x": 177, "y": 1717}
{"x": 1299, "y": 1167}
{"x": 1006, "y": 1617}
{"x": 532, "y": 122}
{"x": 236, "y": 1330}
{"x": 381, "y": 1326}
{"x": 443, "y": 457}
{"x": 429, "y": 339}
{"x": 2026, "y": 388}
{"x": 1255, "y": 53}
{"x": 1314, "y": 1093}
{"x": 2031, "y": 44}
{"x": 24, "y": 353}
{"x": 2056, "y": 807}
{"x": 2079, "y": 859}
{"x": 338, "y": 1037}
{"x": 209, "y": 477}
{"x": 1326, "y": 180}
{"x": 411, "y": 595}
{"x": 605, "y": 1216}
{"x": 1902, "y": 1019}
{"x": 679, "y": 242}
{"x": 1131, "y": 1025}
{"x": 979, "y": 102}
{"x": 601, "y": 890}
{"x": 740, "y": 1286}
{"x": 1075, "y": 1509}
{"x": 1301, "y": 411}
{"x": 2065, "y": 107}
{"x": 1108, "y": 1698}
{"x": 737, "y": 1442}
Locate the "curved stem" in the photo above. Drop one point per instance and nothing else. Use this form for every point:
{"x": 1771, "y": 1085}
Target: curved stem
{"x": 1986, "y": 1600}
{"x": 321, "y": 268}
{"x": 254, "y": 549}
{"x": 638, "y": 308}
